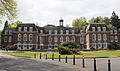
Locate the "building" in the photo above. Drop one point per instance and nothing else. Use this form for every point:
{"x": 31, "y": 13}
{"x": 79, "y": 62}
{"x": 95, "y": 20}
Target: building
{"x": 27, "y": 36}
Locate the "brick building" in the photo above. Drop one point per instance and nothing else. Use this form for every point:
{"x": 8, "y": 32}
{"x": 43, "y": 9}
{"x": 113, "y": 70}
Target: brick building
{"x": 27, "y": 36}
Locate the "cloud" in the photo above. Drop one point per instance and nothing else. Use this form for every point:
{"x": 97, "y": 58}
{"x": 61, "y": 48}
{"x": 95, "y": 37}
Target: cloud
{"x": 49, "y": 11}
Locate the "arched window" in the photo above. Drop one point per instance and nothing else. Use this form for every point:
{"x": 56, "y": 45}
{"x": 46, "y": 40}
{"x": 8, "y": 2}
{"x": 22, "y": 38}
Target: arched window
{"x": 73, "y": 38}
{"x": 50, "y": 39}
{"x": 18, "y": 45}
{"x": 61, "y": 39}
{"x": 67, "y": 38}
{"x": 55, "y": 46}
{"x": 55, "y": 39}
{"x": 25, "y": 37}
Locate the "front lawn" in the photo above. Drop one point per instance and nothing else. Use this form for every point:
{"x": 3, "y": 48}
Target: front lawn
{"x": 107, "y": 52}
{"x": 24, "y": 53}
{"x": 56, "y": 55}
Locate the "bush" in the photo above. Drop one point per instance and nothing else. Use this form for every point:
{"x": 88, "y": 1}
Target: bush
{"x": 65, "y": 50}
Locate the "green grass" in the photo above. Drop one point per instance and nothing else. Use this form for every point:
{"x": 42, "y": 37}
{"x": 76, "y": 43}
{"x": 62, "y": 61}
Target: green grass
{"x": 24, "y": 53}
{"x": 56, "y": 55}
{"x": 107, "y": 52}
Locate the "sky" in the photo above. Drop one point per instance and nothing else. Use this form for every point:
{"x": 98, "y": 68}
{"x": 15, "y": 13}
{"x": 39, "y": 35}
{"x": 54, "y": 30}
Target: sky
{"x": 43, "y": 12}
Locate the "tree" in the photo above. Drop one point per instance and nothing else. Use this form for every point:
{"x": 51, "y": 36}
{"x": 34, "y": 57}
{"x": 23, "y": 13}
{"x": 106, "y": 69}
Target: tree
{"x": 79, "y": 22}
{"x": 115, "y": 20}
{"x": 14, "y": 24}
{"x": 8, "y": 9}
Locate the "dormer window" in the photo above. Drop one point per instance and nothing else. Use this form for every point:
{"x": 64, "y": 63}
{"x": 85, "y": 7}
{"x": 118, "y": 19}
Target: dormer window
{"x": 67, "y": 31}
{"x": 61, "y": 31}
{"x": 25, "y": 29}
{"x": 31, "y": 29}
{"x": 104, "y": 28}
{"x": 50, "y": 32}
{"x": 55, "y": 31}
{"x": 19, "y": 29}
{"x": 41, "y": 31}
{"x": 98, "y": 28}
{"x": 93, "y": 28}
{"x": 72, "y": 31}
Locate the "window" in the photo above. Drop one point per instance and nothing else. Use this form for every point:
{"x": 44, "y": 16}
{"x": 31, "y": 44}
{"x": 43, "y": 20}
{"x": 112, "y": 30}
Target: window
{"x": 93, "y": 36}
{"x": 81, "y": 39}
{"x": 55, "y": 31}
{"x": 10, "y": 32}
{"x": 61, "y": 39}
{"x": 6, "y": 32}
{"x": 99, "y": 36}
{"x": 31, "y": 29}
{"x": 115, "y": 31}
{"x": 104, "y": 45}
{"x": 111, "y": 31}
{"x": 55, "y": 46}
{"x": 25, "y": 29}
{"x": 104, "y": 28}
{"x": 98, "y": 28}
{"x": 67, "y": 31}
{"x": 73, "y": 38}
{"x": 19, "y": 29}
{"x": 67, "y": 38}
{"x": 50, "y": 39}
{"x": 72, "y": 31}
{"x": 104, "y": 37}
{"x": 30, "y": 46}
{"x": 41, "y": 40}
{"x": 41, "y": 31}
{"x": 61, "y": 31}
{"x": 55, "y": 39}
{"x": 10, "y": 39}
{"x": 99, "y": 45}
{"x": 24, "y": 46}
{"x": 19, "y": 37}
{"x": 93, "y": 28}
{"x": 116, "y": 39}
{"x": 30, "y": 37}
{"x": 50, "y": 32}
{"x": 49, "y": 46}
{"x": 5, "y": 39}
{"x": 81, "y": 31}
{"x": 25, "y": 37}
{"x": 18, "y": 46}
{"x": 111, "y": 37}
{"x": 94, "y": 45}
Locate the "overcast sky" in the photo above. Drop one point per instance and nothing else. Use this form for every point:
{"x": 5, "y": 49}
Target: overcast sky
{"x": 43, "y": 12}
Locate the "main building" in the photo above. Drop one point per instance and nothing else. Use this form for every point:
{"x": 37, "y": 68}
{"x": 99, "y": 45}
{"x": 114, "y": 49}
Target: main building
{"x": 27, "y": 36}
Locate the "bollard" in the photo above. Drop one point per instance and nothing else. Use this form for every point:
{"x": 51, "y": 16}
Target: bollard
{"x": 59, "y": 57}
{"x": 74, "y": 60}
{"x": 83, "y": 61}
{"x": 53, "y": 56}
{"x": 109, "y": 68}
{"x": 95, "y": 64}
{"x": 46, "y": 56}
{"x": 40, "y": 55}
{"x": 34, "y": 55}
{"x": 66, "y": 59}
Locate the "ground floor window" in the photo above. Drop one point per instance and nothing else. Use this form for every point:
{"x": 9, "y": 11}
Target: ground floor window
{"x": 30, "y": 46}
{"x": 99, "y": 45}
{"x": 105, "y": 45}
{"x": 18, "y": 46}
{"x": 55, "y": 46}
{"x": 24, "y": 46}
{"x": 94, "y": 45}
{"x": 49, "y": 46}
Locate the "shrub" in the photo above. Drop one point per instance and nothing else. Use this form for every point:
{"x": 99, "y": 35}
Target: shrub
{"x": 65, "y": 50}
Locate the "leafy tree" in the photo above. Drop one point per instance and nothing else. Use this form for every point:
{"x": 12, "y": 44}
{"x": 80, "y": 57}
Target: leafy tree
{"x": 79, "y": 22}
{"x": 115, "y": 20}
{"x": 8, "y": 9}
{"x": 14, "y": 24}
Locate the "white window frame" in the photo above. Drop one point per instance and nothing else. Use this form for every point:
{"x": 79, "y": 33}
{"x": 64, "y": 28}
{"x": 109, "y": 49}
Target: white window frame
{"x": 93, "y": 28}
{"x": 55, "y": 31}
{"x": 94, "y": 37}
{"x": 30, "y": 37}
{"x": 61, "y": 39}
{"x": 67, "y": 38}
{"x": 30, "y": 46}
{"x": 61, "y": 31}
{"x": 73, "y": 38}
{"x": 10, "y": 39}
{"x": 41, "y": 31}
{"x": 49, "y": 46}
{"x": 41, "y": 40}
{"x": 30, "y": 29}
{"x": 100, "y": 45}
{"x": 104, "y": 37}
{"x": 6, "y": 32}
{"x": 111, "y": 31}
{"x": 99, "y": 28}
{"x": 50, "y": 31}
{"x": 67, "y": 31}
{"x": 111, "y": 38}
{"x": 50, "y": 39}
{"x": 94, "y": 45}
{"x": 115, "y": 31}
{"x": 55, "y": 39}
{"x": 104, "y": 45}
{"x": 19, "y": 37}
{"x": 10, "y": 32}
{"x": 25, "y": 36}
{"x": 116, "y": 39}
{"x": 18, "y": 45}
{"x": 19, "y": 29}
{"x": 24, "y": 46}
{"x": 99, "y": 36}
{"x": 73, "y": 31}
{"x": 104, "y": 28}
{"x": 25, "y": 29}
{"x": 5, "y": 39}
{"x": 55, "y": 46}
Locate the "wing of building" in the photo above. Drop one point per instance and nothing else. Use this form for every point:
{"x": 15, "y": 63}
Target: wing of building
{"x": 27, "y": 36}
